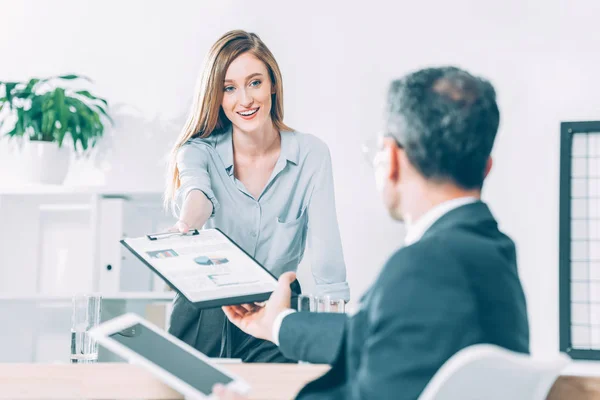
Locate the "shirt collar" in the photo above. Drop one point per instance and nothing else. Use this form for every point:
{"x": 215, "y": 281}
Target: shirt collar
{"x": 289, "y": 146}
{"x": 290, "y": 150}
{"x": 224, "y": 147}
{"x": 415, "y": 231}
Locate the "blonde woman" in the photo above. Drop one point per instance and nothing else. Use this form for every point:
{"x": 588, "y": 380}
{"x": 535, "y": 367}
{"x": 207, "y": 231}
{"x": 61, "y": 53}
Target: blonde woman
{"x": 237, "y": 166}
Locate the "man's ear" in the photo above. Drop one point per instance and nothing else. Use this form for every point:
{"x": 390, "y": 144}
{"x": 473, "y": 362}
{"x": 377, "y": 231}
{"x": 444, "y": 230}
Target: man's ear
{"x": 393, "y": 154}
{"x": 488, "y": 167}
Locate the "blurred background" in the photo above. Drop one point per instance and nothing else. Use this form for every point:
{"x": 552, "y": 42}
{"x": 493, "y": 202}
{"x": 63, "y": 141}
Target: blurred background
{"x": 337, "y": 60}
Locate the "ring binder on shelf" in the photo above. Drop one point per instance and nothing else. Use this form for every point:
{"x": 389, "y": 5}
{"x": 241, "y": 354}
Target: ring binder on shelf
{"x": 155, "y": 236}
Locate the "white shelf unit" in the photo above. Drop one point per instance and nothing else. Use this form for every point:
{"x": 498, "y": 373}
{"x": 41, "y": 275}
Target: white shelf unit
{"x": 125, "y": 296}
{"x": 57, "y": 241}
{"x": 34, "y": 189}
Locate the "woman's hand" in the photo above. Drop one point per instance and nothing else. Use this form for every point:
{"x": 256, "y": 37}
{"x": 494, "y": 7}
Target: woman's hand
{"x": 195, "y": 211}
{"x": 180, "y": 226}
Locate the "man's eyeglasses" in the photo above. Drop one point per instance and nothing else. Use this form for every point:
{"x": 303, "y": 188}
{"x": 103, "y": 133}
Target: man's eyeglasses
{"x": 372, "y": 149}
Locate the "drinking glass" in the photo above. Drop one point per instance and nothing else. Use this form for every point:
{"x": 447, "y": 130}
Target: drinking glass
{"x": 321, "y": 304}
{"x": 334, "y": 305}
{"x": 85, "y": 315}
{"x": 306, "y": 302}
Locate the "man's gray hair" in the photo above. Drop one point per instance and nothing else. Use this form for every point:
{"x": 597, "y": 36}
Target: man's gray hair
{"x": 446, "y": 120}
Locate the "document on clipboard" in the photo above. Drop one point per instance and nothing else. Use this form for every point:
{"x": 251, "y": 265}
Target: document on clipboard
{"x": 205, "y": 266}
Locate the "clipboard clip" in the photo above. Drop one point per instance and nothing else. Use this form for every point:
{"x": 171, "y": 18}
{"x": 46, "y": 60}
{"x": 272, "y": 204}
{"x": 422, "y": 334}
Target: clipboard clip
{"x": 162, "y": 235}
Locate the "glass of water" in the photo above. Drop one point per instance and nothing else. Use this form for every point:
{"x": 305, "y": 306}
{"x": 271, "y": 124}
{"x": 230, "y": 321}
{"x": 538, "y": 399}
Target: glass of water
{"x": 85, "y": 316}
{"x": 306, "y": 302}
{"x": 334, "y": 305}
{"x": 321, "y": 304}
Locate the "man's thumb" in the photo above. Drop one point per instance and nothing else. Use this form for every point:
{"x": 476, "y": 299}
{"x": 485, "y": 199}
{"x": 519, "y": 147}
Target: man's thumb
{"x": 286, "y": 279}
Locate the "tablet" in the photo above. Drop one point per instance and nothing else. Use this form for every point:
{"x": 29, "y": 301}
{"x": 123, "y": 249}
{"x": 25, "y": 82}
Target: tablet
{"x": 204, "y": 266}
{"x": 172, "y": 361}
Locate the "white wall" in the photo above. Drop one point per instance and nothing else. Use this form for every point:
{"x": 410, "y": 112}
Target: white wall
{"x": 337, "y": 60}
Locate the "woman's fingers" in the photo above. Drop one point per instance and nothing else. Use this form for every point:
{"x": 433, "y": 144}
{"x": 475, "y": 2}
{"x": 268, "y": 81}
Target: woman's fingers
{"x": 182, "y": 226}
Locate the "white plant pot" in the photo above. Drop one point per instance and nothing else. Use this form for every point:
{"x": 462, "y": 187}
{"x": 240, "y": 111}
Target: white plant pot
{"x": 44, "y": 162}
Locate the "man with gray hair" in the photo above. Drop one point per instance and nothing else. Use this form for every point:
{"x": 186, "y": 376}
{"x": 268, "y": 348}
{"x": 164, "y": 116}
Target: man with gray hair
{"x": 453, "y": 284}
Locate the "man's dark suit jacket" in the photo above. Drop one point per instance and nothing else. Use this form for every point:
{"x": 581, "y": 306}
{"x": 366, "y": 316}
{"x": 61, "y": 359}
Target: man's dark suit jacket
{"x": 455, "y": 287}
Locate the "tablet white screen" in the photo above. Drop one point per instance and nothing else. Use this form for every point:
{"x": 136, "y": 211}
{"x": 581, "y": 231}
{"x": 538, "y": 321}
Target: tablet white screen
{"x": 171, "y": 357}
{"x": 204, "y": 267}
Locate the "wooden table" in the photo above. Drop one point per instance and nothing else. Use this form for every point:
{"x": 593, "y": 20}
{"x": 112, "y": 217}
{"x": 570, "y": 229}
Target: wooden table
{"x": 125, "y": 381}
{"x": 575, "y": 388}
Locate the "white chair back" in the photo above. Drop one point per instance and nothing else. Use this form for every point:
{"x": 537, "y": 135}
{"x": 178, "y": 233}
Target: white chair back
{"x": 490, "y": 372}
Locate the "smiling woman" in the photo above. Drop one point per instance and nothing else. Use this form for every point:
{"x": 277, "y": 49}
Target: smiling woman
{"x": 253, "y": 92}
{"x": 236, "y": 166}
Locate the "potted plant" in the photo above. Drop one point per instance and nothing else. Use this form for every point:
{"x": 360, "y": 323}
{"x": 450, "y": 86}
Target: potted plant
{"x": 48, "y": 116}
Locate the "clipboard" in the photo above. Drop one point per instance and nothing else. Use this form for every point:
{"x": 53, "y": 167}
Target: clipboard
{"x": 205, "y": 266}
{"x": 159, "y": 235}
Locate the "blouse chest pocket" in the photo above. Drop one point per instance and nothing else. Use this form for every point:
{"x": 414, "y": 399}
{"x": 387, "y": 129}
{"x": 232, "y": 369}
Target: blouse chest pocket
{"x": 288, "y": 238}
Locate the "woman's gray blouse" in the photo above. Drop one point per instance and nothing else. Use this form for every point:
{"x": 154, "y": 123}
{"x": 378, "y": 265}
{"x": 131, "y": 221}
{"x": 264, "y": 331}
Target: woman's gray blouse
{"x": 296, "y": 205}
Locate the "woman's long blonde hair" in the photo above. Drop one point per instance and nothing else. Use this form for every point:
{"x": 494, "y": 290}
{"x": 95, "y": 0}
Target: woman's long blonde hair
{"x": 206, "y": 115}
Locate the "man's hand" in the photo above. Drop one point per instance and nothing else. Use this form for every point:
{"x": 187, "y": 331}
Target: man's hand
{"x": 258, "y": 321}
{"x": 222, "y": 393}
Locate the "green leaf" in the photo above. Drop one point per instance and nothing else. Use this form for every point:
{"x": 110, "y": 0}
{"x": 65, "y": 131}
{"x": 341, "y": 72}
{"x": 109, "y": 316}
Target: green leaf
{"x": 44, "y": 124}
{"x": 9, "y": 87}
{"x": 59, "y": 98}
{"x": 37, "y": 103}
{"x": 24, "y": 120}
{"x": 73, "y": 76}
{"x": 97, "y": 107}
{"x": 59, "y": 136}
{"x": 12, "y": 133}
{"x": 103, "y": 111}
{"x": 47, "y": 107}
{"x": 25, "y": 91}
{"x": 31, "y": 84}
{"x": 47, "y": 101}
{"x": 61, "y": 112}
{"x": 90, "y": 96}
{"x": 48, "y": 124}
{"x": 19, "y": 125}
{"x": 36, "y": 128}
{"x": 85, "y": 122}
{"x": 74, "y": 123}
